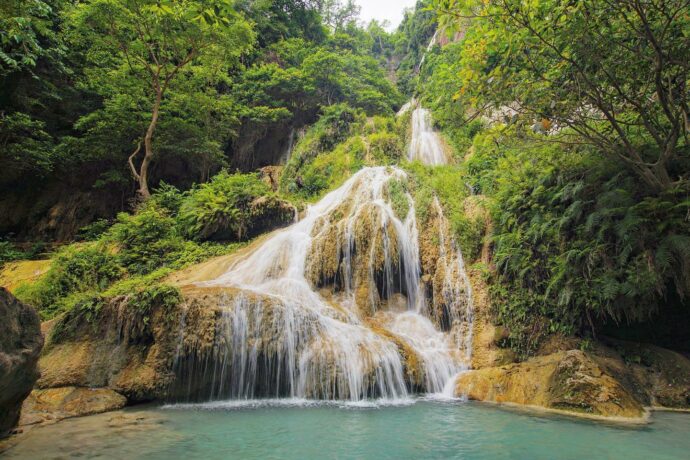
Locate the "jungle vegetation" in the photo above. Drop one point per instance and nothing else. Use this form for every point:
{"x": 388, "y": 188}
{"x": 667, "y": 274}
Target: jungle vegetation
{"x": 132, "y": 134}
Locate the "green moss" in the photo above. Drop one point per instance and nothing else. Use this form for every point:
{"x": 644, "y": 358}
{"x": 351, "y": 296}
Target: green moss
{"x": 448, "y": 184}
{"x": 338, "y": 145}
{"x": 398, "y": 194}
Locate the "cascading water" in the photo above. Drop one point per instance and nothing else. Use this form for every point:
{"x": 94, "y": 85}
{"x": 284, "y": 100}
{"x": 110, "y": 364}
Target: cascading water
{"x": 425, "y": 145}
{"x": 339, "y": 306}
{"x": 285, "y": 157}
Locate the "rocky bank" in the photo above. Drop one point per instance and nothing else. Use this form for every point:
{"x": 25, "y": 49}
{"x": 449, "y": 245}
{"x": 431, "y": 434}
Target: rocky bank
{"x": 20, "y": 345}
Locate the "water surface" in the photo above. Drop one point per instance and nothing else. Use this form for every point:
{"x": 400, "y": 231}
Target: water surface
{"x": 299, "y": 430}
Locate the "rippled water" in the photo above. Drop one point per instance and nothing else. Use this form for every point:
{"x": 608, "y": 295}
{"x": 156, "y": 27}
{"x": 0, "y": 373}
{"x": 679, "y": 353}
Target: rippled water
{"x": 300, "y": 430}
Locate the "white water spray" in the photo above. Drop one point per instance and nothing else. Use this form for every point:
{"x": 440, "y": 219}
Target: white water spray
{"x": 426, "y": 145}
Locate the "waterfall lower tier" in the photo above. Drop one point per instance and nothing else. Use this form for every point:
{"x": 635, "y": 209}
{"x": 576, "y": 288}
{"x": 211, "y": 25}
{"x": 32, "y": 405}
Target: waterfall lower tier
{"x": 341, "y": 305}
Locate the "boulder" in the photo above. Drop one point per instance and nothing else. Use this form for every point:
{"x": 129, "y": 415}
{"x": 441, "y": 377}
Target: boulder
{"x": 269, "y": 213}
{"x": 571, "y": 381}
{"x": 20, "y": 346}
{"x": 60, "y": 403}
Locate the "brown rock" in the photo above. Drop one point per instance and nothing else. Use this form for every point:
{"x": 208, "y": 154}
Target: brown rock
{"x": 570, "y": 381}
{"x": 66, "y": 402}
{"x": 269, "y": 213}
{"x": 20, "y": 345}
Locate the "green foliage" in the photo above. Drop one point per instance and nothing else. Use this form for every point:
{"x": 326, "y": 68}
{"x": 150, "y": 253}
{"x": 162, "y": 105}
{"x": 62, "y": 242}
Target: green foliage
{"x": 576, "y": 241}
{"x": 411, "y": 42}
{"x": 331, "y": 169}
{"x": 9, "y": 252}
{"x": 398, "y": 193}
{"x": 438, "y": 92}
{"x": 138, "y": 250}
{"x": 447, "y": 183}
{"x": 146, "y": 240}
{"x": 25, "y": 29}
{"x": 339, "y": 144}
{"x": 221, "y": 208}
{"x": 74, "y": 269}
{"x": 614, "y": 72}
{"x": 94, "y": 230}
{"x": 27, "y": 148}
{"x": 143, "y": 296}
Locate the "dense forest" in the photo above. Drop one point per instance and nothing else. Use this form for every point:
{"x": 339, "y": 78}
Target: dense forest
{"x": 138, "y": 137}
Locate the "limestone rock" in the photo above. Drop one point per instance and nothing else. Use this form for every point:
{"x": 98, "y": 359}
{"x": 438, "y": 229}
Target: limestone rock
{"x": 20, "y": 345}
{"x": 571, "y": 381}
{"x": 59, "y": 403}
{"x": 269, "y": 213}
{"x": 662, "y": 376}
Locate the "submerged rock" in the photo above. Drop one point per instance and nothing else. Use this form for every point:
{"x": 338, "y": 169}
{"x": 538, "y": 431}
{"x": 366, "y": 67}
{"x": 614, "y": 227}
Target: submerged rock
{"x": 20, "y": 345}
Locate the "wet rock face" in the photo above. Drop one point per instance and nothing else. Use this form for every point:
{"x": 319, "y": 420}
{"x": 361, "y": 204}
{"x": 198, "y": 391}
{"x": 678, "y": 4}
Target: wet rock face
{"x": 20, "y": 345}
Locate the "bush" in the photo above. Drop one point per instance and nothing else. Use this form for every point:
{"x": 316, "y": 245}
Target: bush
{"x": 145, "y": 241}
{"x": 75, "y": 269}
{"x": 9, "y": 252}
{"x": 448, "y": 184}
{"x": 220, "y": 209}
{"x": 577, "y": 243}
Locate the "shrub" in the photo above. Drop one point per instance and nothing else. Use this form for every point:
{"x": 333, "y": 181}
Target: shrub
{"x": 75, "y": 269}
{"x": 145, "y": 241}
{"x": 448, "y": 184}
{"x": 577, "y": 243}
{"x": 220, "y": 209}
{"x": 9, "y": 252}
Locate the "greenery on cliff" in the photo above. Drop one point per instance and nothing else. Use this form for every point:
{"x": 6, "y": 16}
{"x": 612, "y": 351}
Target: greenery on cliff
{"x": 132, "y": 133}
{"x": 577, "y": 114}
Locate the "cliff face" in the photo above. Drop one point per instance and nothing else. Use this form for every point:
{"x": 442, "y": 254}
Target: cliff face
{"x": 20, "y": 345}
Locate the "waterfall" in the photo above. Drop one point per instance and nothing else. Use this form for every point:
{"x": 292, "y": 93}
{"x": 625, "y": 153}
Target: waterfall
{"x": 425, "y": 145}
{"x": 339, "y": 307}
{"x": 285, "y": 157}
{"x": 428, "y": 49}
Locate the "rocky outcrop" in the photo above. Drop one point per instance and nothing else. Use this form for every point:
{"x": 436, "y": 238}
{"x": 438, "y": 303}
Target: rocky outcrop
{"x": 20, "y": 346}
{"x": 143, "y": 358}
{"x": 571, "y": 381}
{"x": 269, "y": 213}
{"x": 604, "y": 383}
{"x": 56, "y": 404}
{"x": 120, "y": 348}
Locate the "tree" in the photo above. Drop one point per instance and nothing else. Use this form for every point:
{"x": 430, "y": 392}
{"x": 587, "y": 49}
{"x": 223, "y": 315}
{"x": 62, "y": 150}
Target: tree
{"x": 337, "y": 14}
{"x": 615, "y": 73}
{"x": 156, "y": 41}
{"x": 25, "y": 27}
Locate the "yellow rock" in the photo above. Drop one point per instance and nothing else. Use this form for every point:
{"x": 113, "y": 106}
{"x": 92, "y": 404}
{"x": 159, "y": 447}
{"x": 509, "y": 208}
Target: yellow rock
{"x": 59, "y": 403}
{"x": 570, "y": 381}
{"x": 15, "y": 273}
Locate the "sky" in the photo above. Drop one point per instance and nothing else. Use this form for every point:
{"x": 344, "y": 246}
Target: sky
{"x": 391, "y": 10}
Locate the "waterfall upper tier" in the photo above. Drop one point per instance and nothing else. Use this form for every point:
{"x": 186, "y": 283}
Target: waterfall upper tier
{"x": 425, "y": 143}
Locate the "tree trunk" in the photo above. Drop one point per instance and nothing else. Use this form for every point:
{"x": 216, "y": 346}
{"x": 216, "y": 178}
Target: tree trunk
{"x": 144, "y": 192}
